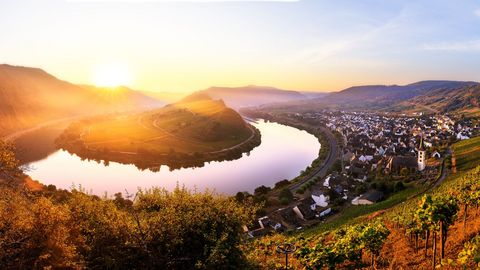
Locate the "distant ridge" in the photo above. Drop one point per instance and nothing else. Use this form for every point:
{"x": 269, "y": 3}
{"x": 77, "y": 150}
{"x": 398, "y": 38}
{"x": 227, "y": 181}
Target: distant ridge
{"x": 31, "y": 96}
{"x": 379, "y": 96}
{"x": 252, "y": 95}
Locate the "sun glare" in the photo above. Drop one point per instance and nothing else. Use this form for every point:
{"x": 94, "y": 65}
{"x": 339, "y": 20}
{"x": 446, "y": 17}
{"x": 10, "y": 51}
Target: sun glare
{"x": 111, "y": 75}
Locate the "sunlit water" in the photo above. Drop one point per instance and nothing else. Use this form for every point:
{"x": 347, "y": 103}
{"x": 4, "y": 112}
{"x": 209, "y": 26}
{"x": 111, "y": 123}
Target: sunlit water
{"x": 283, "y": 153}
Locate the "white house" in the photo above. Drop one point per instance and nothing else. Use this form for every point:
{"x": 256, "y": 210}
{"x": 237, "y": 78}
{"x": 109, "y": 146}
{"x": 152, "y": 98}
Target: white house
{"x": 460, "y": 136}
{"x": 320, "y": 198}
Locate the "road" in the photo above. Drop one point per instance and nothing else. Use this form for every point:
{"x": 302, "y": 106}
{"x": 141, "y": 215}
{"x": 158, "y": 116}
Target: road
{"x": 156, "y": 126}
{"x": 444, "y": 170}
{"x": 13, "y": 136}
{"x": 322, "y": 170}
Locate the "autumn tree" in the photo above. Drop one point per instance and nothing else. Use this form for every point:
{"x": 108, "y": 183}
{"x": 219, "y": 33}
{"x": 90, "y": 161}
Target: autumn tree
{"x": 9, "y": 165}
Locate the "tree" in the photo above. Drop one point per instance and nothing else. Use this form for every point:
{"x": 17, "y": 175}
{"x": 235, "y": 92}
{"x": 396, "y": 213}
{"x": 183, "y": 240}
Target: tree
{"x": 399, "y": 186}
{"x": 9, "y": 165}
{"x": 282, "y": 183}
{"x": 240, "y": 196}
{"x": 160, "y": 230}
{"x": 262, "y": 190}
{"x": 35, "y": 233}
{"x": 436, "y": 214}
{"x": 372, "y": 237}
{"x": 285, "y": 196}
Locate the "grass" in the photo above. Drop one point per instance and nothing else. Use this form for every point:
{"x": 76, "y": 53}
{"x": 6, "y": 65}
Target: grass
{"x": 194, "y": 127}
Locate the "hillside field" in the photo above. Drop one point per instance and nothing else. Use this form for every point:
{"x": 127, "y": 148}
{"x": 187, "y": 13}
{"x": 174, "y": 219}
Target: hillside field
{"x": 467, "y": 153}
{"x": 181, "y": 134}
{"x": 394, "y": 238}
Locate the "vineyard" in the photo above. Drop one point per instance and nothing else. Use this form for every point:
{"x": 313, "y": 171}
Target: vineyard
{"x": 437, "y": 230}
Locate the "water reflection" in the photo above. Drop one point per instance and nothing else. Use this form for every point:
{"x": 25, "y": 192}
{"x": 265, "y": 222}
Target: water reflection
{"x": 283, "y": 153}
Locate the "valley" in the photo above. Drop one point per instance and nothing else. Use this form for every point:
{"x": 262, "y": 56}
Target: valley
{"x": 239, "y": 135}
{"x": 370, "y": 160}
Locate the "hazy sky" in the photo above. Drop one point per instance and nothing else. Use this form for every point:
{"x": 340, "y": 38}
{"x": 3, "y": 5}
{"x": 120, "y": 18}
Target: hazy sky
{"x": 190, "y": 45}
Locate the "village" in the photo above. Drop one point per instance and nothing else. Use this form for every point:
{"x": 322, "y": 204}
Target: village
{"x": 380, "y": 154}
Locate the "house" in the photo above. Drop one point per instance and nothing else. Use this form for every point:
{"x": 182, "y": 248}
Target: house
{"x": 348, "y": 157}
{"x": 397, "y": 163}
{"x": 370, "y": 197}
{"x": 255, "y": 228}
{"x": 288, "y": 215}
{"x": 462, "y": 137}
{"x": 436, "y": 154}
{"x": 325, "y": 212}
{"x": 305, "y": 209}
{"x": 320, "y": 198}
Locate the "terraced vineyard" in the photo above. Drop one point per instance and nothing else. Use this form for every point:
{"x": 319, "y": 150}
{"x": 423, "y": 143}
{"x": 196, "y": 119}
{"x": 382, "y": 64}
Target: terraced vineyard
{"x": 467, "y": 153}
{"x": 437, "y": 230}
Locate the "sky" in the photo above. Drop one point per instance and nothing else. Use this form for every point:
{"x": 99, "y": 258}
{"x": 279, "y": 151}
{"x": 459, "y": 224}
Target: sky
{"x": 171, "y": 45}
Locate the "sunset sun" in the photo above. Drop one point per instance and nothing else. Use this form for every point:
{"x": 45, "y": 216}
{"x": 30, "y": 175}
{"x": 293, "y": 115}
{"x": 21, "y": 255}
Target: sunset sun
{"x": 111, "y": 75}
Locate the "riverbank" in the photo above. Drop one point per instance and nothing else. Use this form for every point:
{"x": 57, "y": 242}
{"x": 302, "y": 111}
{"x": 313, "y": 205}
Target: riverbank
{"x": 265, "y": 165}
{"x": 146, "y": 159}
{"x": 328, "y": 153}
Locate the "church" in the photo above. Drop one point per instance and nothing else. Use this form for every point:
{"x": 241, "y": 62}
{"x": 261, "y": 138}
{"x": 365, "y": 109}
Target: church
{"x": 412, "y": 163}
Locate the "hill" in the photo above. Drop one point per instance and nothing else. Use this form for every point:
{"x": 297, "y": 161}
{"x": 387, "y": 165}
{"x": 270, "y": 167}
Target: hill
{"x": 169, "y": 97}
{"x": 424, "y": 96}
{"x": 186, "y": 133}
{"x": 383, "y": 95}
{"x": 465, "y": 100}
{"x": 31, "y": 96}
{"x": 435, "y": 228}
{"x": 252, "y": 95}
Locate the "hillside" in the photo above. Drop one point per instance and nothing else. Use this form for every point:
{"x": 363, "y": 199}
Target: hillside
{"x": 465, "y": 100}
{"x": 30, "y": 96}
{"x": 383, "y": 95}
{"x": 424, "y": 96}
{"x": 169, "y": 97}
{"x": 435, "y": 228}
{"x": 237, "y": 97}
{"x": 193, "y": 130}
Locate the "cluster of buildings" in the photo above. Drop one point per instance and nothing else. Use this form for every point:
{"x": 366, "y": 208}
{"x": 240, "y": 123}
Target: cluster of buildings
{"x": 372, "y": 144}
{"x": 391, "y": 142}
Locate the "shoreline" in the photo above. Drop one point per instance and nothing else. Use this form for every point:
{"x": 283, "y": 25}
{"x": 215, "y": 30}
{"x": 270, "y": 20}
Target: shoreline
{"x": 153, "y": 161}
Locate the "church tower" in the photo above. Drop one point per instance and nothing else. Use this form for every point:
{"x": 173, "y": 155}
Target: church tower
{"x": 421, "y": 158}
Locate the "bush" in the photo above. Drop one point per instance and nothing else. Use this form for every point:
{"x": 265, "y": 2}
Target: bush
{"x": 284, "y": 201}
{"x": 282, "y": 183}
{"x": 160, "y": 230}
{"x": 398, "y": 186}
{"x": 361, "y": 188}
{"x": 285, "y": 196}
{"x": 338, "y": 201}
{"x": 262, "y": 190}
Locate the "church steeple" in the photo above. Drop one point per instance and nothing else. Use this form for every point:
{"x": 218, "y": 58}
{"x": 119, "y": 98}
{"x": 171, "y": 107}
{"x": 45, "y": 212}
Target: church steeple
{"x": 421, "y": 147}
{"x": 421, "y": 158}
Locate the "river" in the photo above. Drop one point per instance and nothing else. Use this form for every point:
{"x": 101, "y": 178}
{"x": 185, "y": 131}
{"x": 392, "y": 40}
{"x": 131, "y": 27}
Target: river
{"x": 283, "y": 153}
